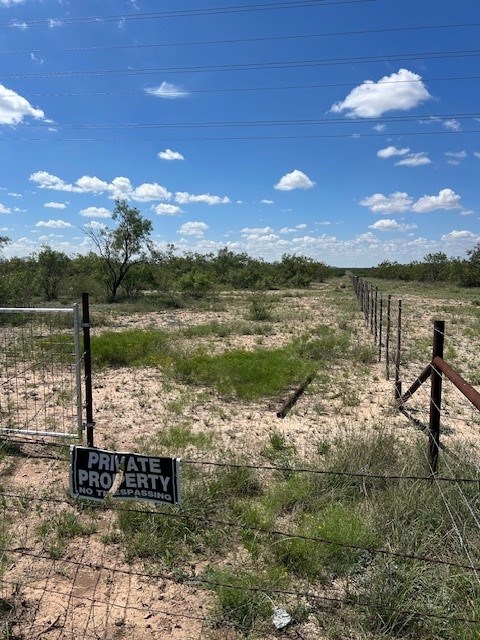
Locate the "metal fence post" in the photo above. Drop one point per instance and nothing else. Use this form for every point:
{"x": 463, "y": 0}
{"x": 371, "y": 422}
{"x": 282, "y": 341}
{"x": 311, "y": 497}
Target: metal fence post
{"x": 398, "y": 383}
{"x": 87, "y": 360}
{"x": 387, "y": 339}
{"x": 436, "y": 396}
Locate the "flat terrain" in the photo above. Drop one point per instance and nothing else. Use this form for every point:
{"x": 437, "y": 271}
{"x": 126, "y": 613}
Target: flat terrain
{"x": 75, "y": 571}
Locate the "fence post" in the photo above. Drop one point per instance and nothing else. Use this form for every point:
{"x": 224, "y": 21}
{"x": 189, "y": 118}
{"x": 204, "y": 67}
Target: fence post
{"x": 387, "y": 339}
{"x": 398, "y": 384}
{"x": 87, "y": 360}
{"x": 436, "y": 396}
{"x": 380, "y": 327}
{"x": 372, "y": 304}
{"x": 375, "y": 317}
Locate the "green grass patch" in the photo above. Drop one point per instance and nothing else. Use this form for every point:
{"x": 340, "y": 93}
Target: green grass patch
{"x": 172, "y": 538}
{"x": 130, "y": 348}
{"x": 245, "y": 374}
{"x": 177, "y": 438}
{"x": 58, "y": 530}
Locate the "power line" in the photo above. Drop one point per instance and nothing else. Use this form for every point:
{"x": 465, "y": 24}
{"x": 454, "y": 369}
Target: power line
{"x": 250, "y": 66}
{"x": 190, "y": 43}
{"x": 320, "y": 136}
{"x": 188, "y": 12}
{"x": 246, "y": 89}
{"x": 250, "y": 123}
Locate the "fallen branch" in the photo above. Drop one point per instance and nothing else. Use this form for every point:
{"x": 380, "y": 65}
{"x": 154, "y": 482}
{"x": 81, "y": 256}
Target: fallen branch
{"x": 288, "y": 404}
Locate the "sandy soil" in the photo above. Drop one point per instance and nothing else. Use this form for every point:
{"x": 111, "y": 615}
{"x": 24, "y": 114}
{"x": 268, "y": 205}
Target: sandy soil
{"x": 90, "y": 591}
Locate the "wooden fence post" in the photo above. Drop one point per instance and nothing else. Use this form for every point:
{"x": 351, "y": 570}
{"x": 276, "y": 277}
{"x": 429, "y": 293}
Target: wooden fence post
{"x": 436, "y": 396}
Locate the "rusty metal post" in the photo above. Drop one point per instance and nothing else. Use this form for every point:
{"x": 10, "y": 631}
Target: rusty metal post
{"x": 398, "y": 383}
{"x": 436, "y": 396}
{"x": 87, "y": 363}
{"x": 375, "y": 317}
{"x": 387, "y": 339}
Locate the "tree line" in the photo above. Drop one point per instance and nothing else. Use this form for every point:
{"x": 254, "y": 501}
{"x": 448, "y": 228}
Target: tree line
{"x": 125, "y": 264}
{"x": 435, "y": 267}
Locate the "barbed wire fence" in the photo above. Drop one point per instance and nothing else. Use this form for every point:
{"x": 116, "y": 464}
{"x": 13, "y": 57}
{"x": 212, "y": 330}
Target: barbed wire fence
{"x": 50, "y": 592}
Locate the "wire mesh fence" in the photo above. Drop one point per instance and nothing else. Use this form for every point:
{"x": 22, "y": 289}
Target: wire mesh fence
{"x": 40, "y": 376}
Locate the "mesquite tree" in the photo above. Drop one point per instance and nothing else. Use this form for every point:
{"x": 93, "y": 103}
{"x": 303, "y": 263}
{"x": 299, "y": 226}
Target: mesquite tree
{"x": 122, "y": 247}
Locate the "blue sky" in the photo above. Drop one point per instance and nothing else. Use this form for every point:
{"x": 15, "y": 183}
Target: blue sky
{"x": 343, "y": 130}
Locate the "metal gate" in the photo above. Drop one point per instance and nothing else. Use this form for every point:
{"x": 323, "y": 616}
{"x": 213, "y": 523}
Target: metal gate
{"x": 41, "y": 372}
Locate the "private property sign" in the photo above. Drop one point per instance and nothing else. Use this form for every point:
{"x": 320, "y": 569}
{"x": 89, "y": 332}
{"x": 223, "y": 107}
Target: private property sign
{"x": 96, "y": 473}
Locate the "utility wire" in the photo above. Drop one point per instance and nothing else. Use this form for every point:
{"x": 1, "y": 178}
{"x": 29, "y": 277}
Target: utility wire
{"x": 248, "y": 123}
{"x": 191, "y": 43}
{"x": 243, "y": 89}
{"x": 250, "y": 66}
{"x": 240, "y": 138}
{"x": 127, "y": 17}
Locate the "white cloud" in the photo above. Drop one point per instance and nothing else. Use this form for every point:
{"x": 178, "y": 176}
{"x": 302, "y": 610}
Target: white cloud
{"x": 168, "y": 154}
{"x": 120, "y": 187}
{"x": 167, "y": 90}
{"x": 456, "y": 155}
{"x": 391, "y": 151}
{"x": 399, "y": 91}
{"x": 414, "y": 160}
{"x": 10, "y": 3}
{"x": 394, "y": 203}
{"x": 19, "y": 25}
{"x": 380, "y": 127}
{"x": 266, "y": 201}
{"x": 193, "y": 229}
{"x": 387, "y": 224}
{"x": 53, "y": 224}
{"x": 476, "y": 154}
{"x": 446, "y": 199}
{"x": 14, "y": 108}
{"x": 256, "y": 230}
{"x": 94, "y": 225}
{"x": 452, "y": 125}
{"x": 52, "y": 23}
{"x": 35, "y": 59}
{"x": 294, "y": 180}
{"x": 167, "y": 209}
{"x": 92, "y": 184}
{"x": 96, "y": 212}
{"x": 15, "y": 195}
{"x": 55, "y": 205}
{"x": 182, "y": 197}
{"x": 460, "y": 235}
{"x": 147, "y": 192}
{"x": 46, "y": 180}
{"x": 4, "y": 209}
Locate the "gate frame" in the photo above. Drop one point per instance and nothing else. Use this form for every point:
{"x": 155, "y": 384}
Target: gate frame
{"x": 77, "y": 325}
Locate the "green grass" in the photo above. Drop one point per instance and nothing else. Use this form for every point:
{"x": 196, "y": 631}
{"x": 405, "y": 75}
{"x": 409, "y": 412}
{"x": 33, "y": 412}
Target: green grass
{"x": 130, "y": 348}
{"x": 245, "y": 374}
{"x": 57, "y": 531}
{"x": 345, "y": 511}
{"x": 176, "y": 439}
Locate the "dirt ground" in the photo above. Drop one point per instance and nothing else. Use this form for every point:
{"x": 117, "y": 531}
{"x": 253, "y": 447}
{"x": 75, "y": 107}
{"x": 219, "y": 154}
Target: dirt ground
{"x": 89, "y": 590}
